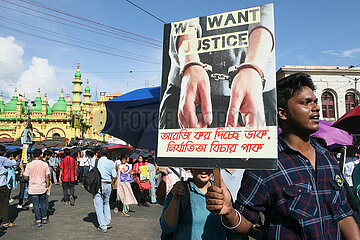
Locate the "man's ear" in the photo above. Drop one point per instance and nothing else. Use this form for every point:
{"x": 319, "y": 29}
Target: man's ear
{"x": 282, "y": 113}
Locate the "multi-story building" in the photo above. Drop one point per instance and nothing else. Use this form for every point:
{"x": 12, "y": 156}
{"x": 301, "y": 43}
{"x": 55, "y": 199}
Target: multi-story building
{"x": 336, "y": 87}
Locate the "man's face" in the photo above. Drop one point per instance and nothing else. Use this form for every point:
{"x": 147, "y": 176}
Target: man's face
{"x": 303, "y": 111}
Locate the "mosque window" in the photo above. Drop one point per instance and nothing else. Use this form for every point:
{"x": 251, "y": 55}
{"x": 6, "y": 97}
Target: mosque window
{"x": 350, "y": 101}
{"x": 328, "y": 106}
{"x": 56, "y": 135}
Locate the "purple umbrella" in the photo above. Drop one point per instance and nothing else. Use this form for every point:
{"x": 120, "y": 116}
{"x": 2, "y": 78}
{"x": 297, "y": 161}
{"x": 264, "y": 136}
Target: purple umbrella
{"x": 334, "y": 137}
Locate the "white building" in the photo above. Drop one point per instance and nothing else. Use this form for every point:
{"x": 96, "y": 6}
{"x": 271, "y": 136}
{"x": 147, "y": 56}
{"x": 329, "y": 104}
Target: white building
{"x": 336, "y": 87}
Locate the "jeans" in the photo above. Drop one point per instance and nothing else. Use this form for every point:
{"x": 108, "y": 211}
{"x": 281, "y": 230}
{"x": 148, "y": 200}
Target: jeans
{"x": 4, "y": 204}
{"x": 102, "y": 206}
{"x": 86, "y": 169}
{"x": 36, "y": 200}
{"x": 23, "y": 184}
{"x": 26, "y": 191}
{"x": 68, "y": 186}
{"x": 81, "y": 173}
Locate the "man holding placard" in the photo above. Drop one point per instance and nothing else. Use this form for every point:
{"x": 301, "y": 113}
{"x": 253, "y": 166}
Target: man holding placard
{"x": 304, "y": 198}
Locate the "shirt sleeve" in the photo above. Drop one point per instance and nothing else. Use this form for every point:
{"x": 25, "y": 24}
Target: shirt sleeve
{"x": 252, "y": 196}
{"x": 62, "y": 164}
{"x": 164, "y": 227}
{"x": 9, "y": 163}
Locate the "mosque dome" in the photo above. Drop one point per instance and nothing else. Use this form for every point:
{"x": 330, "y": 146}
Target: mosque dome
{"x": 60, "y": 105}
{"x": 77, "y": 73}
{"x": 11, "y": 106}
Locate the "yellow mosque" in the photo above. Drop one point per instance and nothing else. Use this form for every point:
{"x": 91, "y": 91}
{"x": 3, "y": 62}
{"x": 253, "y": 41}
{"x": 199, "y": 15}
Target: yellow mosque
{"x": 51, "y": 122}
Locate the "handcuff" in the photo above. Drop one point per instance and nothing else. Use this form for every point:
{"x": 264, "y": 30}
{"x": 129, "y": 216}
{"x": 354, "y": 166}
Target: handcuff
{"x": 232, "y": 71}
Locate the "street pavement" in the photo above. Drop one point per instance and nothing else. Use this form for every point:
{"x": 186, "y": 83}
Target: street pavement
{"x": 79, "y": 221}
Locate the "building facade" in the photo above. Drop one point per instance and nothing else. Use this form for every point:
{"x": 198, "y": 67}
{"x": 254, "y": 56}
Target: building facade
{"x": 47, "y": 122}
{"x": 336, "y": 87}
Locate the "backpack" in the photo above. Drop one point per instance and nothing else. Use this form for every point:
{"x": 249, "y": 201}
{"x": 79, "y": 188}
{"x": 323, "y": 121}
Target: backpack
{"x": 92, "y": 180}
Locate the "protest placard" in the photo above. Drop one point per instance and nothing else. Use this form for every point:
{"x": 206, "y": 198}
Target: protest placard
{"x": 144, "y": 173}
{"x": 24, "y": 153}
{"x": 125, "y": 173}
{"x": 218, "y": 96}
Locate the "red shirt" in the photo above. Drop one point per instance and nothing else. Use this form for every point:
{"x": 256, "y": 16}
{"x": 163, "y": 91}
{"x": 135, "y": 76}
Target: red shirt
{"x": 68, "y": 165}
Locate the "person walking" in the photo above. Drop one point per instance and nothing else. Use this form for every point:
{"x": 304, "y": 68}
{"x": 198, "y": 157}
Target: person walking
{"x": 68, "y": 176}
{"x": 81, "y": 160}
{"x": 101, "y": 199}
{"x": 38, "y": 174}
{"x": 87, "y": 160}
{"x": 5, "y": 163}
{"x": 124, "y": 190}
{"x": 54, "y": 165}
{"x": 46, "y": 157}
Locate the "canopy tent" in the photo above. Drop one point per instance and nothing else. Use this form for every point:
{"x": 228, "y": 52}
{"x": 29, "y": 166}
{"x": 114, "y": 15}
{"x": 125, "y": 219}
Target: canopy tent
{"x": 133, "y": 117}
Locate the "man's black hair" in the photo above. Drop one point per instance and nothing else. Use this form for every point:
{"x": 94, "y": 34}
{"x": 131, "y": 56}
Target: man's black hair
{"x": 288, "y": 86}
{"x": 47, "y": 153}
{"x": 103, "y": 151}
{"x": 122, "y": 156}
{"x": 67, "y": 152}
{"x": 37, "y": 153}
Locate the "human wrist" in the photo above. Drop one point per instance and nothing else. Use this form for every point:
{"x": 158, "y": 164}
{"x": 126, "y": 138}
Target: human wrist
{"x": 194, "y": 64}
{"x": 231, "y": 220}
{"x": 249, "y": 68}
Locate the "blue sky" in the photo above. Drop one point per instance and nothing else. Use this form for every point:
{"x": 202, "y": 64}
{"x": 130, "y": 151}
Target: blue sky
{"x": 306, "y": 33}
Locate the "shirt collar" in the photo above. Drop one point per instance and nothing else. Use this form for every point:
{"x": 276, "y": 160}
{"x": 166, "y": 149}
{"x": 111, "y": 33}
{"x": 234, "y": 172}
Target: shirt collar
{"x": 193, "y": 188}
{"x": 282, "y": 145}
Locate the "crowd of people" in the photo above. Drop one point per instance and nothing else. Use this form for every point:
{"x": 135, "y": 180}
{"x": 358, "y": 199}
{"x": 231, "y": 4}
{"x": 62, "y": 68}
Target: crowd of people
{"x": 45, "y": 168}
{"x": 306, "y": 197}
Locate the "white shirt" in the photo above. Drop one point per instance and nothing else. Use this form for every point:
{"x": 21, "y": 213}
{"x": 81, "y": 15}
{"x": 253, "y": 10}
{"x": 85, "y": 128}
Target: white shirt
{"x": 350, "y": 163}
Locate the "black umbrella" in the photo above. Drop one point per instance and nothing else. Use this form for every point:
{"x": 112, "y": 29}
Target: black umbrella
{"x": 349, "y": 121}
{"x": 143, "y": 152}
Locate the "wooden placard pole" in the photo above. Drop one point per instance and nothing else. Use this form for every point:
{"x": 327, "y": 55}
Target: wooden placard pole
{"x": 217, "y": 181}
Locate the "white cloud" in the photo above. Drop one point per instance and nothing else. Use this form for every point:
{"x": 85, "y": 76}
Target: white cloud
{"x": 331, "y": 52}
{"x": 350, "y": 52}
{"x": 39, "y": 74}
{"x": 342, "y": 53}
{"x": 11, "y": 64}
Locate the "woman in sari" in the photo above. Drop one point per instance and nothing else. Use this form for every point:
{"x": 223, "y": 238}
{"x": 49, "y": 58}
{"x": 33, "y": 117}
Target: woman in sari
{"x": 123, "y": 187}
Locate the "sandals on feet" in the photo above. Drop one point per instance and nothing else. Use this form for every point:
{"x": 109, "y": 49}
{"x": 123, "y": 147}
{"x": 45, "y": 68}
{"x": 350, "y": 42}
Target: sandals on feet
{"x": 8, "y": 225}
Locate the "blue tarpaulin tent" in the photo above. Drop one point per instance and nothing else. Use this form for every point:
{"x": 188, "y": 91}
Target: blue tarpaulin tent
{"x": 134, "y": 116}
